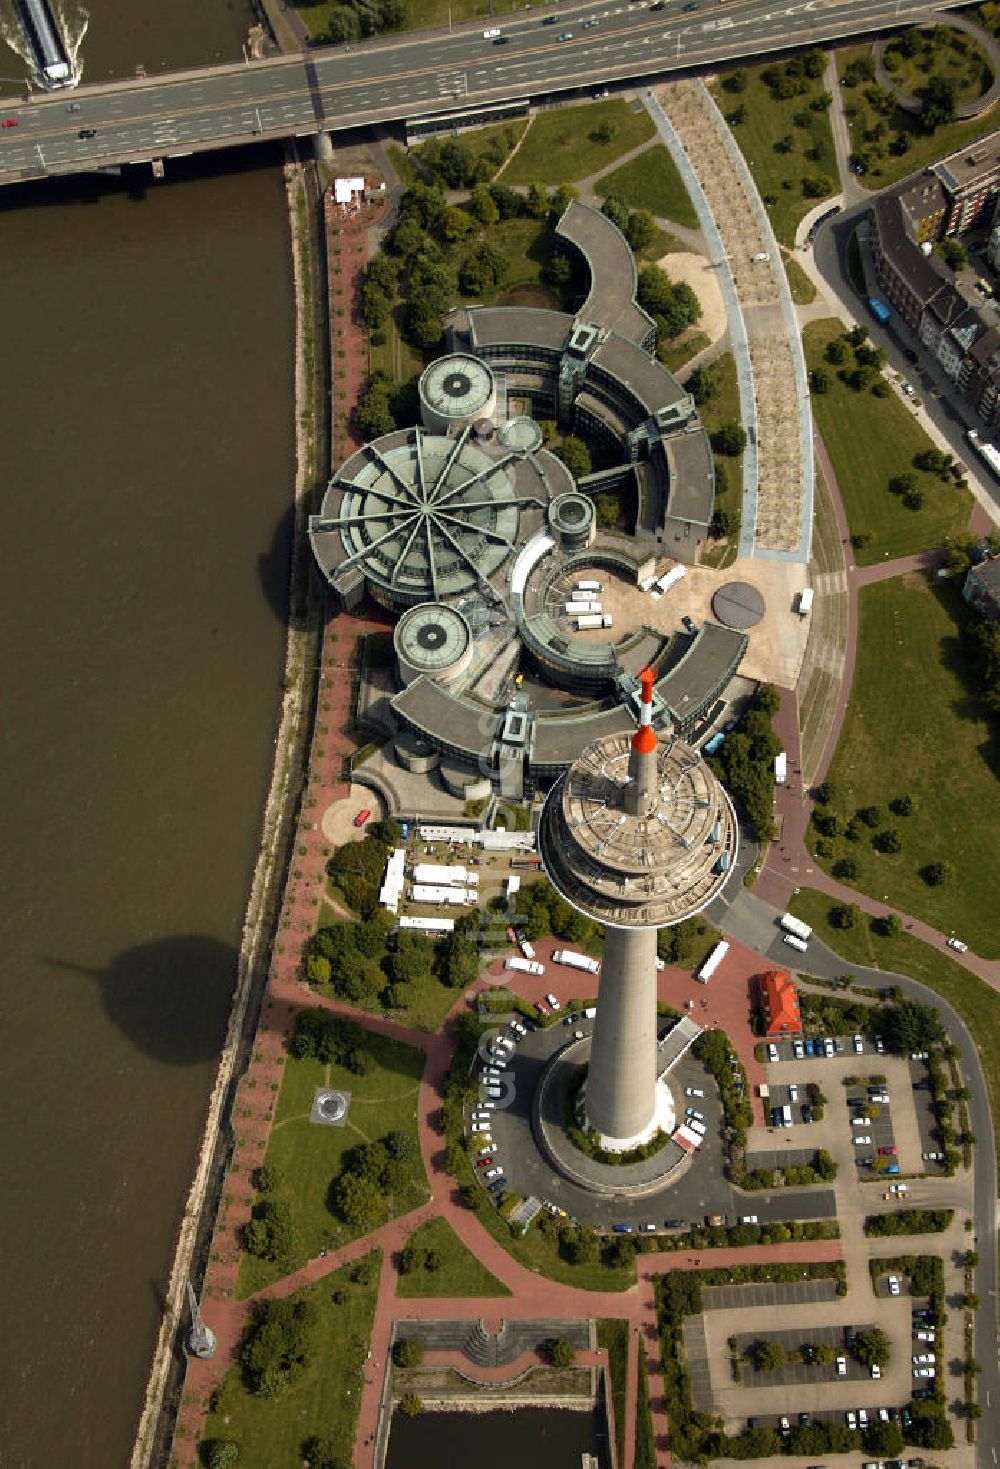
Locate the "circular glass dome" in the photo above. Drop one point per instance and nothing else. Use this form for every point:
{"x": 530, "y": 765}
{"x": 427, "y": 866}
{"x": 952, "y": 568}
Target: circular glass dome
{"x": 432, "y": 638}
{"x": 458, "y": 388}
{"x": 422, "y": 516}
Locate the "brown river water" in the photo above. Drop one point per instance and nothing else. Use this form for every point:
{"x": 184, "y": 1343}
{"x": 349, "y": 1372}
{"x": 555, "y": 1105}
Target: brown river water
{"x": 146, "y": 415}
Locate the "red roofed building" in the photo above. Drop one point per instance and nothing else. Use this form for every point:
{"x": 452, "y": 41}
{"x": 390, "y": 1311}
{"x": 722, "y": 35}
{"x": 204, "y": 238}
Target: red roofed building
{"x": 779, "y": 1003}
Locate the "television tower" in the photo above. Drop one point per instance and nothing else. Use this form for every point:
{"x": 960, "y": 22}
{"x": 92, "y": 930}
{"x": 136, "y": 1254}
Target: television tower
{"x": 639, "y": 835}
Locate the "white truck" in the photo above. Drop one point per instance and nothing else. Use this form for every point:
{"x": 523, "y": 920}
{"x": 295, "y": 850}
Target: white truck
{"x": 589, "y": 586}
{"x": 591, "y": 620}
{"x": 524, "y": 966}
{"x": 794, "y": 942}
{"x": 805, "y": 602}
{"x": 670, "y": 578}
{"x": 576, "y": 961}
{"x": 584, "y": 609}
{"x": 794, "y": 925}
{"x": 713, "y": 961}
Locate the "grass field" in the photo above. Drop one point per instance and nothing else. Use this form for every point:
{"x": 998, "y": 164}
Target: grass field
{"x": 651, "y": 182}
{"x": 802, "y": 289}
{"x": 562, "y": 145}
{"x": 270, "y": 1431}
{"x": 479, "y": 140}
{"x": 724, "y": 407}
{"x": 405, "y": 165}
{"x": 460, "y": 1273}
{"x": 978, "y": 1005}
{"x": 923, "y": 148}
{"x": 779, "y": 175}
{"x": 915, "y": 725}
{"x": 947, "y": 53}
{"x": 309, "y": 1156}
{"x": 869, "y": 440}
{"x": 612, "y": 1335}
{"x": 678, "y": 353}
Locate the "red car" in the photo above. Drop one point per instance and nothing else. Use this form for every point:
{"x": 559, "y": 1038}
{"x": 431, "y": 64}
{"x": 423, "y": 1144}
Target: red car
{"x": 362, "y": 816}
{"x": 11, "y": 122}
{"x": 889, "y": 1152}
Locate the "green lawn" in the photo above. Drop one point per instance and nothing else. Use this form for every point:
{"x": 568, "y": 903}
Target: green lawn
{"x": 802, "y": 289}
{"x": 978, "y": 1005}
{"x": 270, "y": 1431}
{"x": 944, "y": 52}
{"x": 479, "y": 140}
{"x": 406, "y": 165}
{"x": 724, "y": 407}
{"x": 915, "y": 725}
{"x": 779, "y": 175}
{"x": 612, "y": 1335}
{"x": 561, "y": 145}
{"x": 651, "y": 182}
{"x": 922, "y": 148}
{"x": 869, "y": 440}
{"x": 460, "y": 1273}
{"x": 678, "y": 353}
{"x": 310, "y": 1156}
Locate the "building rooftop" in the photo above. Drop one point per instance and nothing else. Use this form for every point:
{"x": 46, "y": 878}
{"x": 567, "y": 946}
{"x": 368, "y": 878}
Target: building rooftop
{"x": 781, "y": 1003}
{"x": 652, "y": 384}
{"x": 529, "y": 326}
{"x": 611, "y": 301}
{"x": 692, "y": 476}
{"x": 972, "y": 167}
{"x": 691, "y": 680}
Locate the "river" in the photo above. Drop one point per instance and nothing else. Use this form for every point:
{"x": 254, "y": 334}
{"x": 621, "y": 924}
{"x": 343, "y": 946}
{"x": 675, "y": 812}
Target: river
{"x": 147, "y": 474}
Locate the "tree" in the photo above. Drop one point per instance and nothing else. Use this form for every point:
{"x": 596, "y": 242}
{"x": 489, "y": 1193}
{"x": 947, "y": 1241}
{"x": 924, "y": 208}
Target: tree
{"x": 375, "y": 306}
{"x": 318, "y": 969}
{"x": 484, "y": 206}
{"x": 886, "y": 925}
{"x": 561, "y": 1352}
{"x": 939, "y": 97}
{"x": 888, "y": 841}
{"x": 276, "y": 1344}
{"x": 952, "y": 253}
{"x": 902, "y": 805}
{"x": 640, "y": 230}
{"x": 910, "y": 1026}
{"x": 846, "y": 869}
{"x": 824, "y": 1353}
{"x": 575, "y": 455}
{"x": 701, "y": 385}
{"x": 321, "y": 1453}
{"x": 538, "y": 202}
{"x": 408, "y": 1353}
{"x": 816, "y": 186}
{"x": 343, "y": 26}
{"x": 766, "y": 1355}
{"x": 272, "y": 1233}
{"x": 935, "y": 873}
{"x": 723, "y": 523}
{"x": 222, "y": 1454}
{"x": 870, "y": 815}
{"x": 735, "y": 81}
{"x": 843, "y": 915}
{"x": 373, "y": 415}
{"x": 884, "y": 1439}
{"x": 820, "y": 380}
{"x": 358, "y": 1200}
{"x": 730, "y": 439}
{"x": 410, "y": 1405}
{"x": 837, "y": 352}
{"x": 616, "y": 211}
{"x": 872, "y": 1347}
{"x": 654, "y": 290}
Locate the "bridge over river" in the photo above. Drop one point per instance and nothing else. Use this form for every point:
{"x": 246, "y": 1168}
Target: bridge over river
{"x": 417, "y": 75}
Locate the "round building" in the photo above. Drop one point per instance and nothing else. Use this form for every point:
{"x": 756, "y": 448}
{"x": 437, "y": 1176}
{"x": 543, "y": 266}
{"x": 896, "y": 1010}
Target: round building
{"x": 432, "y": 640}
{"x": 455, "y": 391}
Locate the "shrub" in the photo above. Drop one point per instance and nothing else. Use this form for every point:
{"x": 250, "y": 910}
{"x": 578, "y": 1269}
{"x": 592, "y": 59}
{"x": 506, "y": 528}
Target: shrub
{"x": 408, "y": 1353}
{"x": 561, "y": 1352}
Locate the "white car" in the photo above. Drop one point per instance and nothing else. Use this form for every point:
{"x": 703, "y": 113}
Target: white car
{"x": 924, "y": 1359}
{"x": 487, "y": 1152}
{"x": 862, "y": 1418}
{"x": 861, "y": 1122}
{"x": 924, "y": 1372}
{"x": 862, "y": 1140}
{"x": 798, "y": 1050}
{"x": 480, "y": 1127}
{"x": 748, "y": 1219}
{"x": 926, "y": 1333}
{"x": 879, "y": 1044}
{"x": 932, "y": 1157}
{"x": 958, "y": 946}
{"x": 793, "y": 1093}
{"x": 693, "y": 1091}
{"x": 859, "y": 1044}
{"x": 884, "y": 1416}
{"x": 518, "y": 1028}
{"x": 894, "y": 1285}
{"x": 876, "y": 1371}
{"x": 829, "y": 1049}
{"x": 841, "y": 1366}
{"x": 852, "y": 1421}
{"x": 772, "y": 1052}
{"x": 493, "y": 1173}
{"x": 495, "y": 1092}
{"x": 552, "y": 1003}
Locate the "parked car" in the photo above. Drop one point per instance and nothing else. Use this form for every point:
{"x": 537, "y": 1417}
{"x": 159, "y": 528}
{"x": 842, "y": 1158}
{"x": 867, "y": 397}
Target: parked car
{"x": 851, "y": 1419}
{"x": 862, "y": 1418}
{"x": 493, "y": 1173}
{"x": 772, "y": 1052}
{"x": 893, "y": 1283}
{"x": 365, "y": 811}
{"x": 890, "y": 1152}
{"x": 876, "y": 1371}
{"x": 829, "y": 1049}
{"x": 11, "y": 122}
{"x": 798, "y": 1050}
{"x": 793, "y": 1093}
{"x": 841, "y": 1366}
{"x": 932, "y": 1157}
{"x": 480, "y": 1127}
{"x": 784, "y": 1424}
{"x": 748, "y": 1219}
{"x": 621, "y": 1229}
{"x": 552, "y": 1003}
{"x": 923, "y": 1359}
{"x": 693, "y": 1091}
{"x": 859, "y": 1044}
{"x": 924, "y": 1372}
{"x": 648, "y": 1228}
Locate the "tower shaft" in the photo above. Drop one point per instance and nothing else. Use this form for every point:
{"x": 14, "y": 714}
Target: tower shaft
{"x": 621, "y": 1082}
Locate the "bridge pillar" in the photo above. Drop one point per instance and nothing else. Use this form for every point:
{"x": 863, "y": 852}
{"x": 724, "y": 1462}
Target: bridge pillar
{"x": 323, "y": 147}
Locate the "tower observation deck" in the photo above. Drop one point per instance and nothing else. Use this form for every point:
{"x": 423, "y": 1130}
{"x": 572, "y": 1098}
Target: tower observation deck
{"x": 639, "y": 835}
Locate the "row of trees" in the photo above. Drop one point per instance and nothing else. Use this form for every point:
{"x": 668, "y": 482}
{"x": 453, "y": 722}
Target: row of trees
{"x": 745, "y": 762}
{"x": 352, "y": 19}
{"x": 373, "y": 1173}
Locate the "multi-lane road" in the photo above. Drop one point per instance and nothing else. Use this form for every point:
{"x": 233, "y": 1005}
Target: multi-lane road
{"x": 545, "y": 52}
